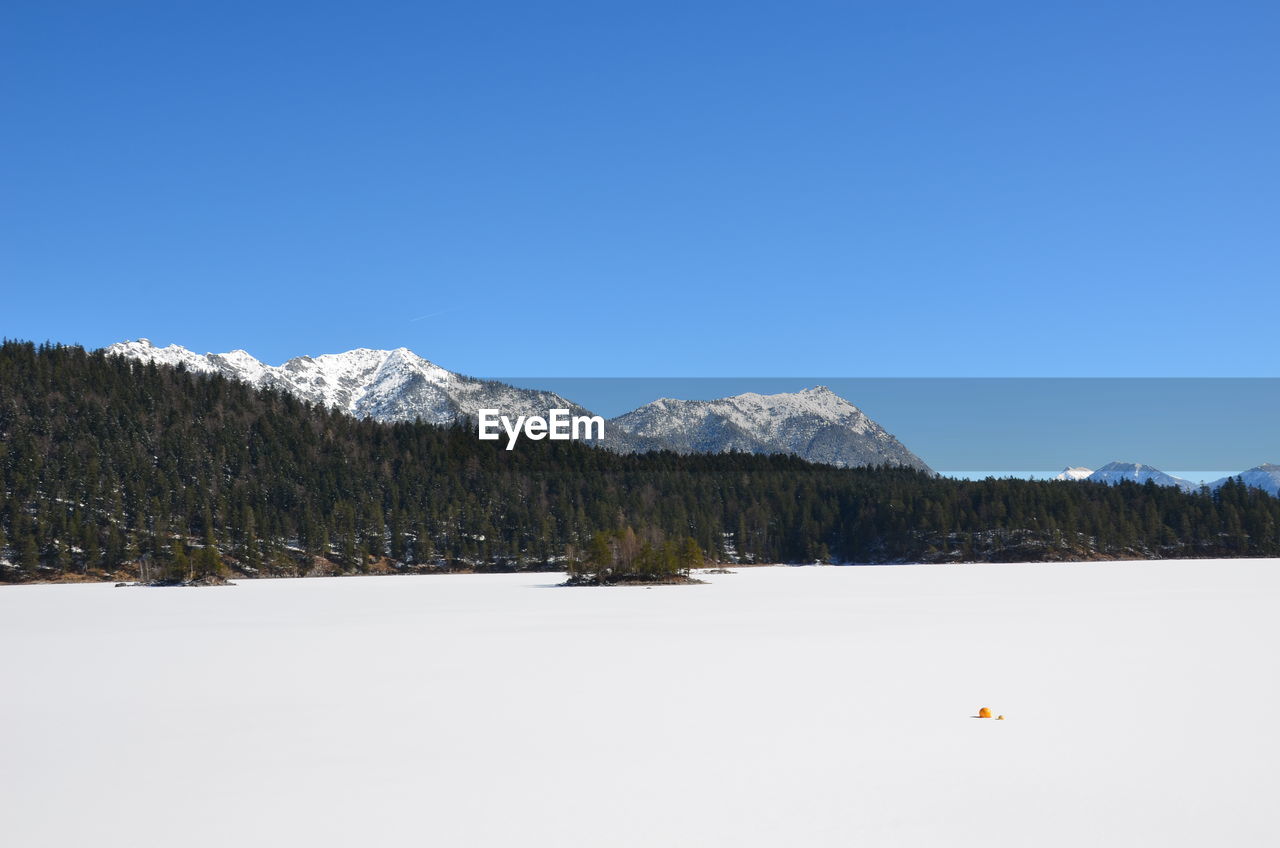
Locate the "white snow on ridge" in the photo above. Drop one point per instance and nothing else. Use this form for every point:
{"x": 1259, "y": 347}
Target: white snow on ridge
{"x": 776, "y": 706}
{"x": 1074, "y": 472}
{"x": 818, "y": 401}
{"x": 237, "y": 363}
{"x": 764, "y": 413}
{"x": 388, "y": 385}
{"x": 174, "y": 354}
{"x": 815, "y": 423}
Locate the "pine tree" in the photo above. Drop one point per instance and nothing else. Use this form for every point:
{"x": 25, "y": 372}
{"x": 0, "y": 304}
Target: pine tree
{"x": 423, "y": 549}
{"x": 398, "y": 543}
{"x": 180, "y": 564}
{"x": 207, "y": 562}
{"x": 690, "y": 555}
{"x": 29, "y": 553}
{"x": 90, "y": 553}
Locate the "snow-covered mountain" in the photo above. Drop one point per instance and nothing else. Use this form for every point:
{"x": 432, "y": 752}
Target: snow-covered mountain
{"x": 1074, "y": 472}
{"x": 1114, "y": 472}
{"x": 399, "y": 385}
{"x": 816, "y": 424}
{"x": 386, "y": 385}
{"x": 1265, "y": 477}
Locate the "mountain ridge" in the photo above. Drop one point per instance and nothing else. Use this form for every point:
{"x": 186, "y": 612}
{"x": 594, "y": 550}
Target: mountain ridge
{"x": 386, "y": 385}
{"x": 398, "y": 385}
{"x": 815, "y": 423}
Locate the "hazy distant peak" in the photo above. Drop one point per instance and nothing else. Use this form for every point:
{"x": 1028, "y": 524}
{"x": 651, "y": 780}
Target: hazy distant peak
{"x": 1115, "y": 472}
{"x": 1265, "y": 476}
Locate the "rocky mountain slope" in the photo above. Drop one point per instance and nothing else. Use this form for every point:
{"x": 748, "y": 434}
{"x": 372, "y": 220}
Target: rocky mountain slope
{"x": 816, "y": 424}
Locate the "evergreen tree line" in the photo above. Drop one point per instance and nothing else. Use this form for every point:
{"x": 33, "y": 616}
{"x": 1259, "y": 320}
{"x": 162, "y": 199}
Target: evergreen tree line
{"x": 109, "y": 465}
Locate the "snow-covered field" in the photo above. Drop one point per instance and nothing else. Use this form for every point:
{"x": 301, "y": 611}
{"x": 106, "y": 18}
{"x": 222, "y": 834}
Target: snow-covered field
{"x": 772, "y": 707}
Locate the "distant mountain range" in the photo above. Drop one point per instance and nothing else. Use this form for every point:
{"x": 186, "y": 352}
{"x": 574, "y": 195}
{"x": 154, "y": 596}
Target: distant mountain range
{"x": 1136, "y": 472}
{"x": 399, "y": 385}
{"x": 1265, "y": 476}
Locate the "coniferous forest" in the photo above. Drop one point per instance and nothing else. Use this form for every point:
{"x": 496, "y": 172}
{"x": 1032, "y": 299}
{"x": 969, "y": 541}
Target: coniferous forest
{"x": 111, "y": 468}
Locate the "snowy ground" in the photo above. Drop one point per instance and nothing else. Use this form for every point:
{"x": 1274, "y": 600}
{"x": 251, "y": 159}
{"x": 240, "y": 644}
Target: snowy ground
{"x": 773, "y": 707}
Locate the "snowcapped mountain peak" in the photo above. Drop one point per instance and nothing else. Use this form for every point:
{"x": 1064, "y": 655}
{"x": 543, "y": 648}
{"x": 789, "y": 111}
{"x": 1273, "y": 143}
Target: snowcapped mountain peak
{"x": 818, "y": 401}
{"x": 238, "y": 363}
{"x": 1074, "y": 472}
{"x": 814, "y": 423}
{"x": 388, "y": 385}
{"x": 1265, "y": 476}
{"x": 1115, "y": 472}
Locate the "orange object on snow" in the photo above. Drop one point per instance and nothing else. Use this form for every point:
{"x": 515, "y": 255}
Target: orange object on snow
{"x": 985, "y": 712}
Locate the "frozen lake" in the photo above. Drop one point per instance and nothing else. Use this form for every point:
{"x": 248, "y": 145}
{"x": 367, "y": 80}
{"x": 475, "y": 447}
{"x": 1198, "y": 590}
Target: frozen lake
{"x": 775, "y": 706}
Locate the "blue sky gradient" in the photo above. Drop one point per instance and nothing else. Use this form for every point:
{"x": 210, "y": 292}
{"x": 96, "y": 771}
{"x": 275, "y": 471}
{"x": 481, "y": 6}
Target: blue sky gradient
{"x": 632, "y": 189}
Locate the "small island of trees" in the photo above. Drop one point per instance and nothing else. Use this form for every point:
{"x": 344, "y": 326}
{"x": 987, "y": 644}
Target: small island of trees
{"x": 622, "y": 556}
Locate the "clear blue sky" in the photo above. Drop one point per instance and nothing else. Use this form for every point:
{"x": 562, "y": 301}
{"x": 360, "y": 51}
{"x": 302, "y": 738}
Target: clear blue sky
{"x": 641, "y": 188}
